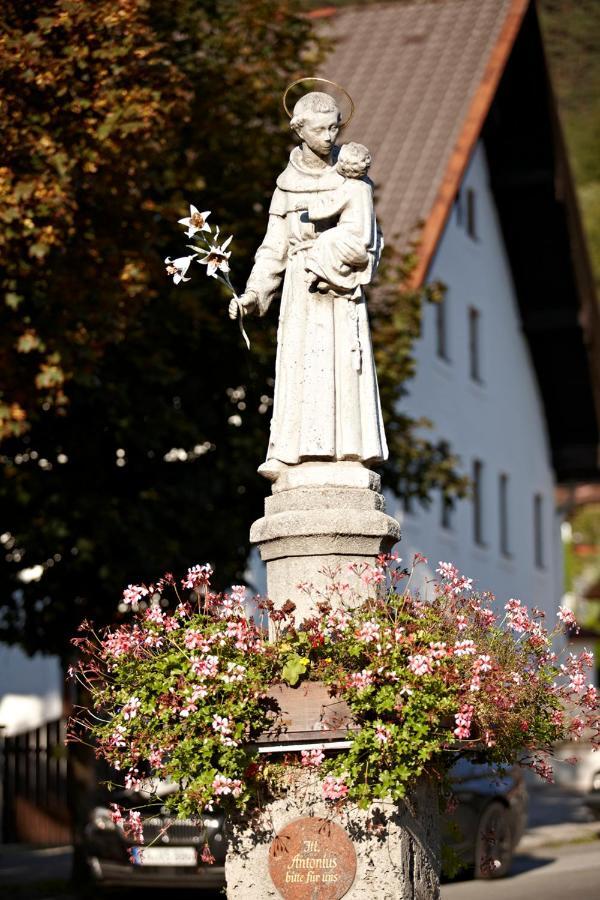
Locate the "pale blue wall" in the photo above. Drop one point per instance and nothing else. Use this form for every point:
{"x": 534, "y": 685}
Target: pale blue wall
{"x": 31, "y": 690}
{"x": 500, "y": 421}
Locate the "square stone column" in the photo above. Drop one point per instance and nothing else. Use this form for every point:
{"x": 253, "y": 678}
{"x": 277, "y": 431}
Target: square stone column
{"x": 321, "y": 517}
{"x": 390, "y": 851}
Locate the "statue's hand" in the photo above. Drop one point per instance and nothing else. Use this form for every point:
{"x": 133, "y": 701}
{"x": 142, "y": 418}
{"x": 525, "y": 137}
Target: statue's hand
{"x": 246, "y": 304}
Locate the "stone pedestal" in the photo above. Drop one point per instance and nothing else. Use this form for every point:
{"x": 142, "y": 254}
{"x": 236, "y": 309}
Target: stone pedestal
{"x": 397, "y": 849}
{"x": 320, "y": 518}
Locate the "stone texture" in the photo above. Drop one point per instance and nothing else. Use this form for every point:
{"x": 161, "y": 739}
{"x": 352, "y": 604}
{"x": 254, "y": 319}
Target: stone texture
{"x": 326, "y": 474}
{"x": 327, "y": 516}
{"x": 397, "y": 845}
{"x": 322, "y": 239}
{"x": 324, "y": 498}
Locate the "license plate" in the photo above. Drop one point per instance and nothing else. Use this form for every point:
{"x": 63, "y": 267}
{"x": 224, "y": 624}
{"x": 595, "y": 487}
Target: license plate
{"x": 164, "y": 856}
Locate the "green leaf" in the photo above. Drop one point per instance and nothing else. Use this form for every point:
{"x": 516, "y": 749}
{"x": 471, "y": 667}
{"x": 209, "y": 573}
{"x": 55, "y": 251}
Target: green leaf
{"x": 294, "y": 668}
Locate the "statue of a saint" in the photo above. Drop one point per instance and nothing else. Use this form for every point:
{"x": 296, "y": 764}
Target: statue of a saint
{"x": 323, "y": 239}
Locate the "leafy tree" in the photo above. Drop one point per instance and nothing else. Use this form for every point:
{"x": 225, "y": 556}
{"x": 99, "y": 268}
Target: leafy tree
{"x": 572, "y": 39}
{"x": 582, "y": 564}
{"x": 132, "y": 419}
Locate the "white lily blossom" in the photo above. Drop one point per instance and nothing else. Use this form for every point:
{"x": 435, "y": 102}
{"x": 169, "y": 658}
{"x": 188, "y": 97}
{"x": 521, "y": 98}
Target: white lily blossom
{"x": 217, "y": 259}
{"x": 210, "y": 252}
{"x": 196, "y": 221}
{"x": 178, "y": 267}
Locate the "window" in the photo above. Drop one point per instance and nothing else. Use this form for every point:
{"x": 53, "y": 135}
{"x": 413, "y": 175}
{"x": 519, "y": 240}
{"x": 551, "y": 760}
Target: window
{"x": 471, "y": 220}
{"x": 474, "y": 344}
{"x": 447, "y": 506}
{"x": 538, "y": 530}
{"x": 446, "y": 513}
{"x": 458, "y": 208}
{"x": 503, "y": 512}
{"x": 477, "y": 488}
{"x": 441, "y": 328}
{"x": 466, "y": 211}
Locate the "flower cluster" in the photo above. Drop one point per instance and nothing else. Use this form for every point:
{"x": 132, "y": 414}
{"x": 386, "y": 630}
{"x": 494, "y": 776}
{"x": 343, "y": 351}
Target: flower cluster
{"x": 215, "y": 256}
{"x": 182, "y": 690}
{"x": 210, "y": 252}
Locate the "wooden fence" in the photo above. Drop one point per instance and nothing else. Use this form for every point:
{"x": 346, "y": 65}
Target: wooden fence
{"x": 34, "y": 773}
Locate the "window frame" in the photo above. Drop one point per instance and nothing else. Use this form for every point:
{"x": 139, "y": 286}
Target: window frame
{"x": 504, "y": 514}
{"x": 478, "y": 505}
{"x": 441, "y": 329}
{"x": 538, "y": 531}
{"x": 474, "y": 336}
{"x": 471, "y": 213}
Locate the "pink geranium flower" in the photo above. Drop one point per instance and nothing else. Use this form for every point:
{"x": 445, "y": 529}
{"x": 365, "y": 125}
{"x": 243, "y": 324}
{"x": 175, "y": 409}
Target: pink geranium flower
{"x": 197, "y": 577}
{"x": 223, "y": 785}
{"x": 134, "y": 826}
{"x": 382, "y": 734}
{"x": 368, "y": 631}
{"x": 419, "y": 664}
{"x": 312, "y": 758}
{"x": 360, "y": 680}
{"x": 130, "y": 710}
{"x": 334, "y": 788}
{"x": 133, "y": 593}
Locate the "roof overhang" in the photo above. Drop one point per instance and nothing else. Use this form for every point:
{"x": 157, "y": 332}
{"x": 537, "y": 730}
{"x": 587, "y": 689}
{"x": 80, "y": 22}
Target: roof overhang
{"x": 537, "y": 205}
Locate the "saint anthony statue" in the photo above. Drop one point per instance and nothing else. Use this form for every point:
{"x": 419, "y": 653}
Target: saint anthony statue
{"x": 323, "y": 240}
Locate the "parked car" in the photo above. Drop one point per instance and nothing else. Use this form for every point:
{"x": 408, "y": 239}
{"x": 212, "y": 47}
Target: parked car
{"x": 170, "y": 856}
{"x": 489, "y": 819}
{"x": 592, "y": 801}
{"x": 577, "y": 765}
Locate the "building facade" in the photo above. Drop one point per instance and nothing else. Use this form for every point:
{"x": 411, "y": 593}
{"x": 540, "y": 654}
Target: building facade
{"x": 454, "y": 99}
{"x": 476, "y": 382}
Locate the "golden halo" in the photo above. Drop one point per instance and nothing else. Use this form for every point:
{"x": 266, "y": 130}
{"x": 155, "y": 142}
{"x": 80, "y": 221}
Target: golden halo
{"x": 324, "y": 81}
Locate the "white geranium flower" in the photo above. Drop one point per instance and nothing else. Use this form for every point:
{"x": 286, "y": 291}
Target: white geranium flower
{"x": 196, "y": 221}
{"x": 178, "y": 267}
{"x": 217, "y": 258}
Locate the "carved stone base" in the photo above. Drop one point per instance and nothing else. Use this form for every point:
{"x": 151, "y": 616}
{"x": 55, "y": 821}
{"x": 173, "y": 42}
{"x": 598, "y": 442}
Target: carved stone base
{"x": 397, "y": 849}
{"x": 320, "y": 518}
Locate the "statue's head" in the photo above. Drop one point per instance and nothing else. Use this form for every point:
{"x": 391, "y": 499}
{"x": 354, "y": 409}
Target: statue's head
{"x": 316, "y": 121}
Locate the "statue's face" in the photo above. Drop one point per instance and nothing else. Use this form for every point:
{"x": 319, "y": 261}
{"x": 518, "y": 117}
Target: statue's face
{"x": 320, "y": 131}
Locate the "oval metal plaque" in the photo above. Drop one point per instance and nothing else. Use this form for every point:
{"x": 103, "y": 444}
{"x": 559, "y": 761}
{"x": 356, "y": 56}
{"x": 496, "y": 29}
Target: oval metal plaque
{"x": 312, "y": 858}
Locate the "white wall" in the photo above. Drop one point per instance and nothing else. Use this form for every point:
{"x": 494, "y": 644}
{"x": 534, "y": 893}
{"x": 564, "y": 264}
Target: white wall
{"x": 499, "y": 421}
{"x": 31, "y": 690}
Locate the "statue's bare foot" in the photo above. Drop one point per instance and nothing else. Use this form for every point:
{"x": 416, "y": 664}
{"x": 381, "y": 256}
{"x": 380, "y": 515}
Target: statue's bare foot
{"x": 271, "y": 469}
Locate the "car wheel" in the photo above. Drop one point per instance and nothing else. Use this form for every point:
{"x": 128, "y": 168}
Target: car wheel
{"x": 493, "y": 842}
{"x": 596, "y": 781}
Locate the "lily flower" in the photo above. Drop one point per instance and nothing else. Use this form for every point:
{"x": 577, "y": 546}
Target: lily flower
{"x": 196, "y": 221}
{"x": 178, "y": 267}
{"x": 217, "y": 258}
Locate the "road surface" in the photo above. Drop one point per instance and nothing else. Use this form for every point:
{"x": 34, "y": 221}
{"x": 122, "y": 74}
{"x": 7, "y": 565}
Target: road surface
{"x": 549, "y": 873}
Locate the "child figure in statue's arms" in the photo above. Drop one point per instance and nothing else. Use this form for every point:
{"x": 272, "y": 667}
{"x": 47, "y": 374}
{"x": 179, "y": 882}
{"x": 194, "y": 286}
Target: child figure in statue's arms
{"x": 344, "y": 257}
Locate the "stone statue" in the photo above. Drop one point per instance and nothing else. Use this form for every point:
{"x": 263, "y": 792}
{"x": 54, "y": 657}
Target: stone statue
{"x": 324, "y": 523}
{"x": 323, "y": 240}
